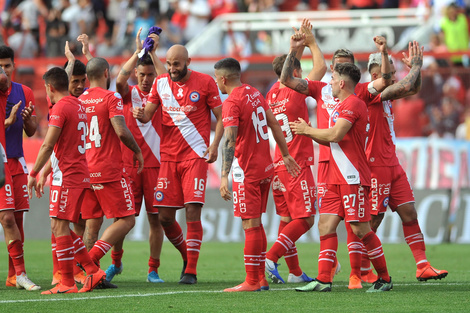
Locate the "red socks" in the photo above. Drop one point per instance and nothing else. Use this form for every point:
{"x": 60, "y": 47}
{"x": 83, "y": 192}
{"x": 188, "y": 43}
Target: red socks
{"x": 252, "y": 254}
{"x": 355, "y": 248}
{"x": 264, "y": 246}
{"x": 193, "y": 245}
{"x": 15, "y": 249}
{"x": 376, "y": 254}
{"x": 414, "y": 239}
{"x": 326, "y": 259}
{"x": 154, "y": 264}
{"x": 175, "y": 236}
{"x": 65, "y": 257}
{"x": 99, "y": 250}
{"x": 82, "y": 256}
{"x": 116, "y": 256}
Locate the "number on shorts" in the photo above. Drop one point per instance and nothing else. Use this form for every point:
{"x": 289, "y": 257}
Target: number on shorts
{"x": 199, "y": 184}
{"x": 284, "y": 123}
{"x": 94, "y": 133}
{"x": 260, "y": 124}
{"x": 8, "y": 191}
{"x": 54, "y": 195}
{"x": 349, "y": 200}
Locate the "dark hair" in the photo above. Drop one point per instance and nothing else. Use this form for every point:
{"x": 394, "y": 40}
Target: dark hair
{"x": 229, "y": 64}
{"x": 278, "y": 63}
{"x": 343, "y": 53}
{"x": 7, "y": 53}
{"x": 78, "y": 67}
{"x": 146, "y": 60}
{"x": 96, "y": 67}
{"x": 350, "y": 70}
{"x": 57, "y": 77}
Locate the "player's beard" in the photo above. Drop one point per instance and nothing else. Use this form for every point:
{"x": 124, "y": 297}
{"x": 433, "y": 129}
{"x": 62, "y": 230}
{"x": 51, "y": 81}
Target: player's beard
{"x": 181, "y": 74}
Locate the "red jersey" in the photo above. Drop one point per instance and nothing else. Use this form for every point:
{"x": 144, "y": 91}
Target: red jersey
{"x": 321, "y": 92}
{"x": 380, "y": 148}
{"x": 348, "y": 163}
{"x": 147, "y": 135}
{"x": 288, "y": 105}
{"x": 186, "y": 114}
{"x": 103, "y": 147}
{"x": 68, "y": 161}
{"x": 246, "y": 108}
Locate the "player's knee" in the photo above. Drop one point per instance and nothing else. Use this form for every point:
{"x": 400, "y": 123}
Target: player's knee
{"x": 407, "y": 212}
{"x": 7, "y": 219}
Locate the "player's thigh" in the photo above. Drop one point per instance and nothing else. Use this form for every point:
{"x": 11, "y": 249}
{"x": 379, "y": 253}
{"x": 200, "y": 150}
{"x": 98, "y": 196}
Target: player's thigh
{"x": 20, "y": 187}
{"x": 116, "y": 199}
{"x": 7, "y": 192}
{"x": 300, "y": 193}
{"x": 194, "y": 178}
{"x": 355, "y": 203}
{"x": 401, "y": 192}
{"x": 169, "y": 191}
{"x": 65, "y": 203}
{"x": 280, "y": 202}
{"x": 380, "y": 187}
{"x": 248, "y": 199}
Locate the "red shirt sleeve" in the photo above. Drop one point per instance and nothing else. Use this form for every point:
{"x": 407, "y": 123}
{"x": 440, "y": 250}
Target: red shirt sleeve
{"x": 115, "y": 106}
{"x": 230, "y": 113}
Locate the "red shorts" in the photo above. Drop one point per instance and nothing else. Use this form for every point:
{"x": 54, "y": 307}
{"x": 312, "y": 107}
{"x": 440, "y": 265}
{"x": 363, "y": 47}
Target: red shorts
{"x": 65, "y": 203}
{"x": 19, "y": 175}
{"x": 389, "y": 187}
{"x": 294, "y": 196}
{"x": 7, "y": 192}
{"x": 113, "y": 199}
{"x": 143, "y": 188}
{"x": 250, "y": 198}
{"x": 321, "y": 178}
{"x": 180, "y": 183}
{"x": 350, "y": 202}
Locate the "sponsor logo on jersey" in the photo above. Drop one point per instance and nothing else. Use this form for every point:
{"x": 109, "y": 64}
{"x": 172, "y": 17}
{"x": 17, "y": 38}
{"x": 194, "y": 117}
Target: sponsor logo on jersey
{"x": 194, "y": 96}
{"x": 9, "y": 200}
{"x": 385, "y": 203}
{"x": 165, "y": 96}
{"x": 351, "y": 211}
{"x": 91, "y": 100}
{"x": 198, "y": 194}
{"x": 54, "y": 117}
{"x": 96, "y": 174}
{"x": 186, "y": 108}
{"x": 269, "y": 167}
{"x": 119, "y": 105}
{"x": 159, "y": 196}
{"x": 227, "y": 119}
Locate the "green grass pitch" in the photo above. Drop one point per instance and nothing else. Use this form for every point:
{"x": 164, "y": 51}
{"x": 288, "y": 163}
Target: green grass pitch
{"x": 221, "y": 266}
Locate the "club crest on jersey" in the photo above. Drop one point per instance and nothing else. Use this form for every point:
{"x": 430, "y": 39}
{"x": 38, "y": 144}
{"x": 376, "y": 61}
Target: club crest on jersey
{"x": 159, "y": 196}
{"x": 194, "y": 96}
{"x": 334, "y": 117}
{"x": 385, "y": 203}
{"x": 117, "y": 95}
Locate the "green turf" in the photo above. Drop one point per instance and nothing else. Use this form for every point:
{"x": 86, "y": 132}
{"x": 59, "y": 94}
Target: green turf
{"x": 221, "y": 266}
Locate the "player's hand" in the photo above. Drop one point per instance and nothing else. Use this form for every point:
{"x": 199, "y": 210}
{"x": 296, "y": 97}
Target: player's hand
{"x": 41, "y": 182}
{"x": 292, "y": 167}
{"x": 83, "y": 38}
{"x": 12, "y": 118}
{"x": 297, "y": 41}
{"x": 68, "y": 54}
{"x": 381, "y": 43}
{"x": 27, "y": 112}
{"x": 139, "y": 158}
{"x": 138, "y": 113}
{"x": 156, "y": 41}
{"x": 32, "y": 183}
{"x": 299, "y": 127}
{"x": 306, "y": 28}
{"x": 224, "y": 191}
{"x": 212, "y": 152}
{"x": 138, "y": 41}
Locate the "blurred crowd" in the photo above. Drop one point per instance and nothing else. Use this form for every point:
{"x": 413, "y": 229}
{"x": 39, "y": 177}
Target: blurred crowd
{"x": 39, "y": 28}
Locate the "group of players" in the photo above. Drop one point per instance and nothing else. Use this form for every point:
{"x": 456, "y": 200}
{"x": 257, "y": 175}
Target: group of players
{"x": 151, "y": 142}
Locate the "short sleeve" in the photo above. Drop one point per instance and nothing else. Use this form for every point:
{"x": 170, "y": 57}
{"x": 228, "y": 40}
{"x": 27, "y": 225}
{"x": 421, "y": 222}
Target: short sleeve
{"x": 58, "y": 116}
{"x": 213, "y": 96}
{"x": 230, "y": 113}
{"x": 153, "y": 94}
{"x": 314, "y": 88}
{"x": 115, "y": 105}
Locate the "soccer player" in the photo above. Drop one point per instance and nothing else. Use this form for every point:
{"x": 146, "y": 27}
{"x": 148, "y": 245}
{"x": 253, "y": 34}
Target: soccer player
{"x": 348, "y": 175}
{"x": 147, "y": 137}
{"x": 65, "y": 145}
{"x": 294, "y": 196}
{"x": 246, "y": 118}
{"x": 390, "y": 185}
{"x": 13, "y": 223}
{"x": 110, "y": 195}
{"x": 187, "y": 98}
{"x": 25, "y": 120}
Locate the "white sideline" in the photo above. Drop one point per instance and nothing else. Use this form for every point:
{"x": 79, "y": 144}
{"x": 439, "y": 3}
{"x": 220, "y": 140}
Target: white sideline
{"x": 92, "y": 297}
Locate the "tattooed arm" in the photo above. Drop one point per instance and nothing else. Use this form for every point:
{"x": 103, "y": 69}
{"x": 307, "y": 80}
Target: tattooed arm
{"x": 228, "y": 153}
{"x": 412, "y": 82}
{"x": 287, "y": 75}
{"x": 128, "y": 140}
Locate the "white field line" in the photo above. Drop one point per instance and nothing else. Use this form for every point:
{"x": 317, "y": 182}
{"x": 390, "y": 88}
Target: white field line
{"x": 93, "y": 297}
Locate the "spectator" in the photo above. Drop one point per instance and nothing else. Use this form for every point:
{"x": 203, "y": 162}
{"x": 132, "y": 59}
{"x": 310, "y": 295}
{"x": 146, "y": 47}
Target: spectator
{"x": 80, "y": 18}
{"x": 198, "y": 14}
{"x": 143, "y": 19}
{"x": 219, "y": 7}
{"x": 410, "y": 118}
{"x": 56, "y": 31}
{"x": 107, "y": 48}
{"x": 24, "y": 43}
{"x": 454, "y": 32}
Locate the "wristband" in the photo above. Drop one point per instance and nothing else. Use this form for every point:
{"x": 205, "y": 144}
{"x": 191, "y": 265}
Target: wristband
{"x": 33, "y": 174}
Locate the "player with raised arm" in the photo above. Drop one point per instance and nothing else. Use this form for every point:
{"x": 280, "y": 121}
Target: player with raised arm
{"x": 12, "y": 193}
{"x": 348, "y": 175}
{"x": 147, "y": 136}
{"x": 187, "y": 99}
{"x": 25, "y": 121}
{"x": 111, "y": 195}
{"x": 294, "y": 197}
{"x": 325, "y": 104}
{"x": 64, "y": 145}
{"x": 246, "y": 118}
{"x": 390, "y": 185}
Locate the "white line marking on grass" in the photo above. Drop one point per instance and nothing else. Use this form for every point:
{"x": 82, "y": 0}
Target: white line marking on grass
{"x": 93, "y": 297}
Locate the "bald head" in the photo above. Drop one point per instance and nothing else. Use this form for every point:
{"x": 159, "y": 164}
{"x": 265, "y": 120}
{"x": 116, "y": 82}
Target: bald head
{"x": 96, "y": 68}
{"x": 177, "y": 61}
{"x": 177, "y": 51}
